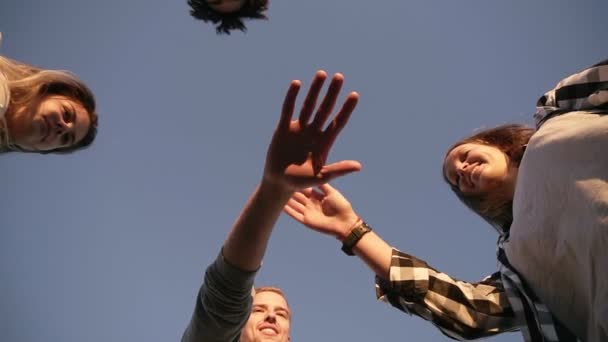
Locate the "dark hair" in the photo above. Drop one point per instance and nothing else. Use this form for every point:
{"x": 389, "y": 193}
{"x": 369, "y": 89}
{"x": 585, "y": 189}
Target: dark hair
{"x": 496, "y": 208}
{"x": 251, "y": 9}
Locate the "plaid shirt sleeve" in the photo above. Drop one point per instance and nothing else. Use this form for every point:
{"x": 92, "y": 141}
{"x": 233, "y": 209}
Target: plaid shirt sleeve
{"x": 585, "y": 90}
{"x": 459, "y": 309}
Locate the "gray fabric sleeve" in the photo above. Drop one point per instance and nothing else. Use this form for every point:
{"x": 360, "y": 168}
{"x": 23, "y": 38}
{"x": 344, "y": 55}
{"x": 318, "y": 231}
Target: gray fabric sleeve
{"x": 223, "y": 304}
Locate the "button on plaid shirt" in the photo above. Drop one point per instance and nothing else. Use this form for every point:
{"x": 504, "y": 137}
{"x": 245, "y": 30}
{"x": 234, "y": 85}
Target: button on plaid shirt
{"x": 501, "y": 302}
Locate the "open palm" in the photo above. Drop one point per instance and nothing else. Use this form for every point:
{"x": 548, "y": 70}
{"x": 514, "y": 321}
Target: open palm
{"x": 324, "y": 210}
{"x": 297, "y": 154}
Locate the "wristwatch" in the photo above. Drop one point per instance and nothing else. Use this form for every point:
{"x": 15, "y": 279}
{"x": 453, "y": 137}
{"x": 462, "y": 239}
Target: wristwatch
{"x": 354, "y": 236}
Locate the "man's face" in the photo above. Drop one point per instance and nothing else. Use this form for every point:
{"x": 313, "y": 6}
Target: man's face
{"x": 269, "y": 319}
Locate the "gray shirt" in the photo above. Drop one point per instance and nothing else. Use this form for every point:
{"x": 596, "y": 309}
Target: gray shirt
{"x": 559, "y": 235}
{"x": 223, "y": 304}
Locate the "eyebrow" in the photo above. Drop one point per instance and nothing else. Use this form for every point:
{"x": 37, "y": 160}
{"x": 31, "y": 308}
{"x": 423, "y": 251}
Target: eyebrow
{"x": 278, "y": 308}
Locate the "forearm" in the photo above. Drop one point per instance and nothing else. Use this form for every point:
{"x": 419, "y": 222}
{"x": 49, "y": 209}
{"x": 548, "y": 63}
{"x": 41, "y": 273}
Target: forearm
{"x": 376, "y": 254}
{"x": 459, "y": 309}
{"x": 246, "y": 243}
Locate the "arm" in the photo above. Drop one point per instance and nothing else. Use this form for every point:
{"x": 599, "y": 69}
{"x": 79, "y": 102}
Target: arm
{"x": 585, "y": 90}
{"x": 296, "y": 154}
{"x": 459, "y": 309}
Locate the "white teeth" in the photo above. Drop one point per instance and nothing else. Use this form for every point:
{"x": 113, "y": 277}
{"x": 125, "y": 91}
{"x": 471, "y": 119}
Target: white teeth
{"x": 269, "y": 331}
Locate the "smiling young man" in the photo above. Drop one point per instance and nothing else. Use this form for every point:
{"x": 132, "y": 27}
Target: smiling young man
{"x": 226, "y": 310}
{"x": 270, "y": 317}
{"x": 229, "y": 14}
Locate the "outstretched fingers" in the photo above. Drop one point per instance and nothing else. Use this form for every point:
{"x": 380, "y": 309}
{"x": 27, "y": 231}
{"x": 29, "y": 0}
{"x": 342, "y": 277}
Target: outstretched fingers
{"x": 291, "y": 209}
{"x": 288, "y": 105}
{"x": 332, "y": 131}
{"x": 329, "y": 101}
{"x": 326, "y": 189}
{"x": 311, "y": 98}
{"x": 301, "y": 198}
{"x": 342, "y": 117}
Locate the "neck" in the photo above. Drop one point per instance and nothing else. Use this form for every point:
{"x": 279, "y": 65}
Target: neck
{"x": 5, "y": 140}
{"x": 11, "y": 130}
{"x": 512, "y": 180}
{"x": 14, "y": 124}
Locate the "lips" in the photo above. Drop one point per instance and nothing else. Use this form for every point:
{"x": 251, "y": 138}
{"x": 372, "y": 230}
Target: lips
{"x": 475, "y": 173}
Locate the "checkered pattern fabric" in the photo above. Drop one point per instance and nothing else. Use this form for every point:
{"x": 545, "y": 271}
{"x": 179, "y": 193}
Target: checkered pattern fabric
{"x": 501, "y": 302}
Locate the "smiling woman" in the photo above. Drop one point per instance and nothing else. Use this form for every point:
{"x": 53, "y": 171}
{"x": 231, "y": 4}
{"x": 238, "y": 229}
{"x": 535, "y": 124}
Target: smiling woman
{"x": 482, "y": 170}
{"x": 544, "y": 190}
{"x": 44, "y": 111}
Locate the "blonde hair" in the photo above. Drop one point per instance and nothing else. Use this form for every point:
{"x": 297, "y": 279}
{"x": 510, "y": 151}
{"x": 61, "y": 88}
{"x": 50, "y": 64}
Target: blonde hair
{"x": 275, "y": 290}
{"x": 29, "y": 85}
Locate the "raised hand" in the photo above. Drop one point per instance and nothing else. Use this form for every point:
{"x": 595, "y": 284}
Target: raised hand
{"x": 298, "y": 151}
{"x": 324, "y": 210}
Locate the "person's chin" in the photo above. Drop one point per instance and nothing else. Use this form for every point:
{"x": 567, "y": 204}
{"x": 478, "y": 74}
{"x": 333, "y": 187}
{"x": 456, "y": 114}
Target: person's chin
{"x": 268, "y": 338}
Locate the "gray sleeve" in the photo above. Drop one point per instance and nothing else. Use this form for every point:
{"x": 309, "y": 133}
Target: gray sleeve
{"x": 223, "y": 304}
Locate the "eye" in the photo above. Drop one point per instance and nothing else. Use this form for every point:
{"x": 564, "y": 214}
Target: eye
{"x": 66, "y": 138}
{"x": 65, "y": 114}
{"x": 68, "y": 115}
{"x": 465, "y": 155}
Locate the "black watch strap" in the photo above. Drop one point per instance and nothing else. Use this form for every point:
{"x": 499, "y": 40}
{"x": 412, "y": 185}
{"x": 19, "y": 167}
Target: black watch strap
{"x": 355, "y": 235}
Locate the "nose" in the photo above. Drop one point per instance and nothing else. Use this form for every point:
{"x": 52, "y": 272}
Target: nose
{"x": 462, "y": 167}
{"x": 463, "y": 170}
{"x": 61, "y": 127}
{"x": 271, "y": 317}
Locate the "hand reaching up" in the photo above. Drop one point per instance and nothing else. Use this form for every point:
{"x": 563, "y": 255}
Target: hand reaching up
{"x": 299, "y": 148}
{"x": 324, "y": 210}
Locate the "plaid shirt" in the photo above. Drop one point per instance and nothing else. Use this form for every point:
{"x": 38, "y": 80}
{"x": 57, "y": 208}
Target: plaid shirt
{"x": 501, "y": 302}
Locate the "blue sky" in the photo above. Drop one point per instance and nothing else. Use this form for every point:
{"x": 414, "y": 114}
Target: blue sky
{"x": 110, "y": 244}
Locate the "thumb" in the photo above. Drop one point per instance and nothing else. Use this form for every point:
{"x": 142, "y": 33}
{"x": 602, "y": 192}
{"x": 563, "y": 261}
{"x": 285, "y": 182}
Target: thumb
{"x": 326, "y": 177}
{"x": 341, "y": 166}
{"x": 326, "y": 188}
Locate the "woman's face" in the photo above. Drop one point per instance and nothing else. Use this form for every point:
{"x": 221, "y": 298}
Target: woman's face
{"x": 57, "y": 122}
{"x": 477, "y": 169}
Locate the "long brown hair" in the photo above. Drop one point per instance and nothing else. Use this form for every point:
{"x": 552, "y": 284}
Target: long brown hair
{"x": 29, "y": 84}
{"x": 495, "y": 207}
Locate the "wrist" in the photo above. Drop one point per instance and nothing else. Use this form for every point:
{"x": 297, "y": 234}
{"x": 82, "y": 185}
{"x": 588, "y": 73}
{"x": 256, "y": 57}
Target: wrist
{"x": 353, "y": 238}
{"x": 275, "y": 189}
{"x": 348, "y": 227}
